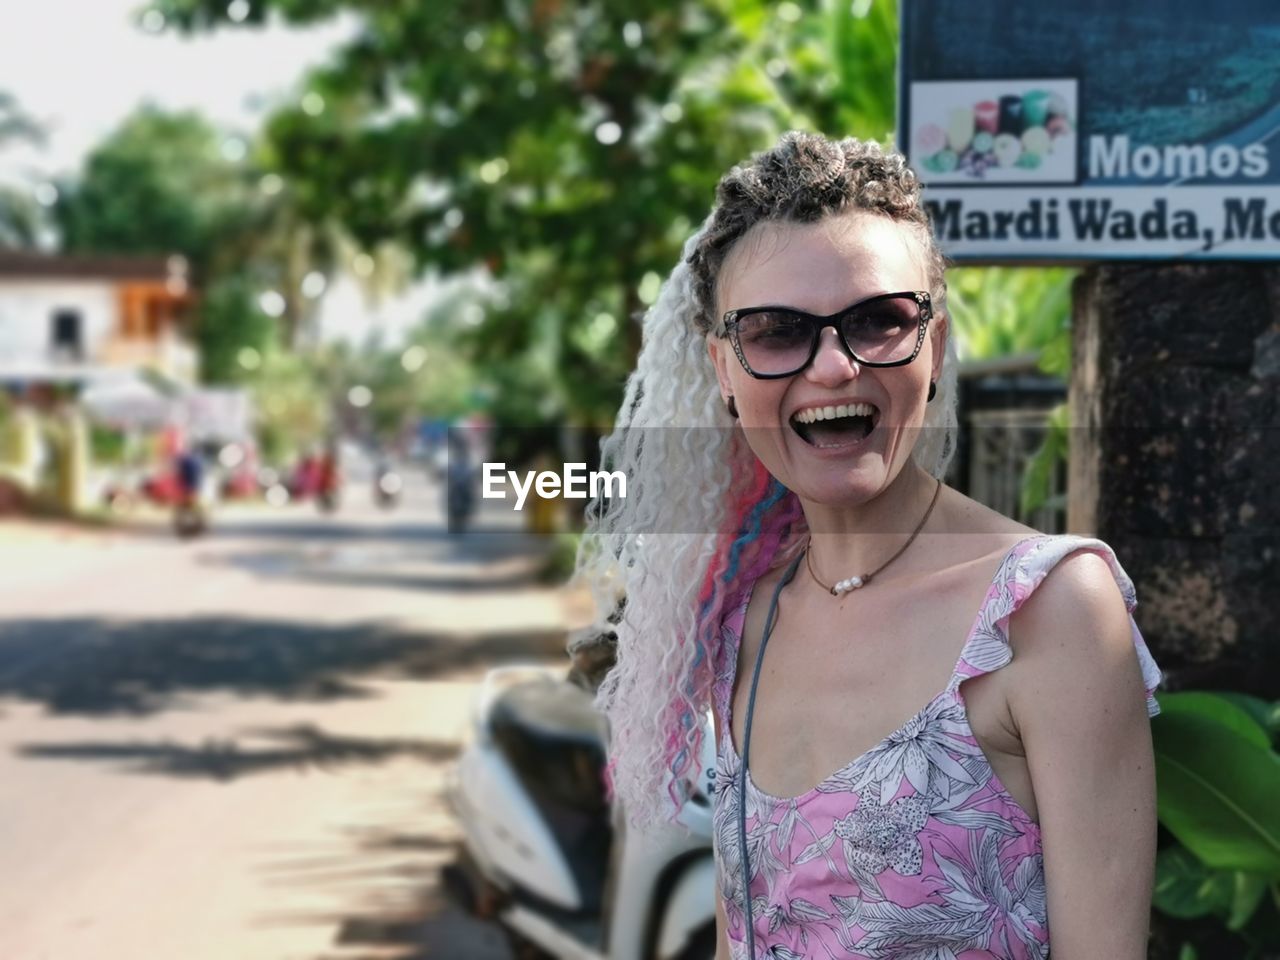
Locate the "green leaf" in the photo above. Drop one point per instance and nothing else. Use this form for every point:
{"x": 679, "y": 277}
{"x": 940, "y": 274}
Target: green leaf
{"x": 1224, "y": 708}
{"x": 998, "y": 311}
{"x": 1186, "y": 888}
{"x": 1247, "y": 892}
{"x": 1266, "y": 714}
{"x": 1217, "y": 791}
{"x": 1188, "y": 952}
{"x": 1037, "y": 475}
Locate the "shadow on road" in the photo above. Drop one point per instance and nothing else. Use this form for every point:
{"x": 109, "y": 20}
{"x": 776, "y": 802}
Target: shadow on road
{"x": 429, "y": 925}
{"x": 102, "y": 666}
{"x": 435, "y": 928}
{"x": 479, "y": 538}
{"x": 382, "y": 557}
{"x": 324, "y": 570}
{"x": 304, "y": 747}
{"x": 433, "y": 931}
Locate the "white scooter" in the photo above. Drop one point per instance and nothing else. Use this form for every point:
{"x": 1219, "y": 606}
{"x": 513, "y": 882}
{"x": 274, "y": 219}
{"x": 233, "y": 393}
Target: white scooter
{"x": 544, "y": 853}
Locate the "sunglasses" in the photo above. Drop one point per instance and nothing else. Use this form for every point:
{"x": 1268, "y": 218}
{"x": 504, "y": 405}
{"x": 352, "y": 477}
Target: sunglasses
{"x": 886, "y": 330}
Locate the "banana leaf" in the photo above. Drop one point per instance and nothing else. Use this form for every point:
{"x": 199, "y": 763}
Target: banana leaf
{"x": 1218, "y": 782}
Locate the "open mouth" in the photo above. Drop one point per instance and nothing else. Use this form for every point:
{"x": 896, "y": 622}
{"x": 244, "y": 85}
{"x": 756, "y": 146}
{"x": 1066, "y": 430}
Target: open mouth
{"x": 836, "y": 426}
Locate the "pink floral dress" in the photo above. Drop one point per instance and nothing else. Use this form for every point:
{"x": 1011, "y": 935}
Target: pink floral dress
{"x": 915, "y": 850}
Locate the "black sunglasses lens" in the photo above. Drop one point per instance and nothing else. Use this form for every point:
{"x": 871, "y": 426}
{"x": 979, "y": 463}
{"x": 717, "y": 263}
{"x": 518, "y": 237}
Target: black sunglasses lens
{"x": 884, "y": 331}
{"x": 775, "y": 341}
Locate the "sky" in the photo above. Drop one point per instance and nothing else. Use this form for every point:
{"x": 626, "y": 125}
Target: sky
{"x": 80, "y": 66}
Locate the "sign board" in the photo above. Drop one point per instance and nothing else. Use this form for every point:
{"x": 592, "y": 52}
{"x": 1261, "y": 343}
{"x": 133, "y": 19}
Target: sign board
{"x": 128, "y": 403}
{"x": 1102, "y": 129}
{"x": 218, "y": 413}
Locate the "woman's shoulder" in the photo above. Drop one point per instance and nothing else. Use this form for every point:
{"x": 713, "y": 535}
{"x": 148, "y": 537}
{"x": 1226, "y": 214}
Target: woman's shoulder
{"x": 1072, "y": 616}
{"x": 1060, "y": 570}
{"x": 1051, "y": 580}
{"x": 1078, "y": 577}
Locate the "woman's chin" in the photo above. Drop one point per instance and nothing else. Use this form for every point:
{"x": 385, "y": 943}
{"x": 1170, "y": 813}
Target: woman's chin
{"x": 843, "y": 487}
{"x": 844, "y": 473}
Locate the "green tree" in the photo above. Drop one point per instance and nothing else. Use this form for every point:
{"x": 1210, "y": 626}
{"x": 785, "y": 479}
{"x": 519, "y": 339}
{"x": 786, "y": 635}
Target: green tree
{"x": 158, "y": 185}
{"x": 1000, "y": 311}
{"x": 425, "y": 376}
{"x": 295, "y": 255}
{"x": 567, "y": 148}
{"x": 294, "y": 410}
{"x": 234, "y": 334}
{"x": 20, "y": 215}
{"x": 15, "y": 123}
{"x": 570, "y": 148}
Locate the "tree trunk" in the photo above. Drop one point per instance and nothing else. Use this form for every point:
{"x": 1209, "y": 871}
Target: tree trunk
{"x": 1174, "y": 458}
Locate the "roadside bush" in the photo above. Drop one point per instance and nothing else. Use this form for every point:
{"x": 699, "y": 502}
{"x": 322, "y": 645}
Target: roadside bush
{"x": 1217, "y": 889}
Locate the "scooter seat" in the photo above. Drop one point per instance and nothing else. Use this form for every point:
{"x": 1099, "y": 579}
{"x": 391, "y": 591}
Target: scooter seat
{"x": 550, "y": 731}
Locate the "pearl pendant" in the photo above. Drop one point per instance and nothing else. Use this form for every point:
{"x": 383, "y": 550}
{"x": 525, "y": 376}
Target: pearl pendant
{"x": 844, "y": 586}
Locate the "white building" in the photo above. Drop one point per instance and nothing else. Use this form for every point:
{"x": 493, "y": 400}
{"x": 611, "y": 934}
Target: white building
{"x": 75, "y": 319}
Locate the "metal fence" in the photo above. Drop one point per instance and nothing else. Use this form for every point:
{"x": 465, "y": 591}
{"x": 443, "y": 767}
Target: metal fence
{"x": 1004, "y": 410}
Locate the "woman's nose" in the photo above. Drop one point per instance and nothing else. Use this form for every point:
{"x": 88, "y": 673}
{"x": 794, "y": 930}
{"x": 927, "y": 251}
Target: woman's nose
{"x": 832, "y": 363}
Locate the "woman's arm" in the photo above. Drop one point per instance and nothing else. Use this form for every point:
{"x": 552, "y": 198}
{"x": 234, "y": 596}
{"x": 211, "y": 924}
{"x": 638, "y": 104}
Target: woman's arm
{"x": 722, "y": 940}
{"x": 1077, "y": 697}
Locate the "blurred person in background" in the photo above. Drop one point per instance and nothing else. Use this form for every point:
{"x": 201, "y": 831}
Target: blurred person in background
{"x": 303, "y": 476}
{"x": 328, "y": 474}
{"x": 805, "y": 331}
{"x": 388, "y": 485}
{"x": 459, "y": 480}
{"x": 188, "y": 511}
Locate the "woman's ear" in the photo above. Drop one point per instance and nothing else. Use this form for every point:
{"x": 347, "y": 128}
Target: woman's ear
{"x": 717, "y": 352}
{"x": 939, "y": 331}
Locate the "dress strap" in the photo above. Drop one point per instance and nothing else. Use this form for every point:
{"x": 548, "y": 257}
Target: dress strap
{"x": 769, "y": 620}
{"x": 725, "y": 657}
{"x": 1024, "y": 568}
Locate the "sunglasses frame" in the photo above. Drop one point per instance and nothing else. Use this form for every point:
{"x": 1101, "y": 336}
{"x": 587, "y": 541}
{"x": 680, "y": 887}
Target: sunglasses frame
{"x": 729, "y": 329}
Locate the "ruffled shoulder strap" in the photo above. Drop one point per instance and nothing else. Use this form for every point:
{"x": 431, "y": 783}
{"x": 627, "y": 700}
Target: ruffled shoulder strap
{"x": 1023, "y": 569}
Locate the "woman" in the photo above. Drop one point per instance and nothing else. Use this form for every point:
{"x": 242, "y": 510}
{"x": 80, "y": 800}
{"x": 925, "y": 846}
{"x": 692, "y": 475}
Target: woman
{"x": 807, "y": 323}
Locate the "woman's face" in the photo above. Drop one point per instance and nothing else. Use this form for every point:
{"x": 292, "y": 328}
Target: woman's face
{"x": 822, "y": 268}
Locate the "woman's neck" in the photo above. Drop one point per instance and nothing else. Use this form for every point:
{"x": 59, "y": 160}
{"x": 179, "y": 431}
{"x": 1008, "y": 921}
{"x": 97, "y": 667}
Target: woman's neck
{"x": 854, "y": 540}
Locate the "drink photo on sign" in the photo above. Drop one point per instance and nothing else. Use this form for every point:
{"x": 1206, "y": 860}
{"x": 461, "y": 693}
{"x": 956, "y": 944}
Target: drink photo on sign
{"x": 998, "y": 131}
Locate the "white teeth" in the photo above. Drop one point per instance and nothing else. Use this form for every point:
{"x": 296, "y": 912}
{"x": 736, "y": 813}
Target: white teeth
{"x": 814, "y": 414}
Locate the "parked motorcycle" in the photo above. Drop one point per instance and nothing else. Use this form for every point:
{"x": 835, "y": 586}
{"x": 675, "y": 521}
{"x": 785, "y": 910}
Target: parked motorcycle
{"x": 546, "y": 855}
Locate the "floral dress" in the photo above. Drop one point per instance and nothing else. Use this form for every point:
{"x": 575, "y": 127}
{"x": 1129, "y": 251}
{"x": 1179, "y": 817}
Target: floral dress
{"x": 914, "y": 850}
